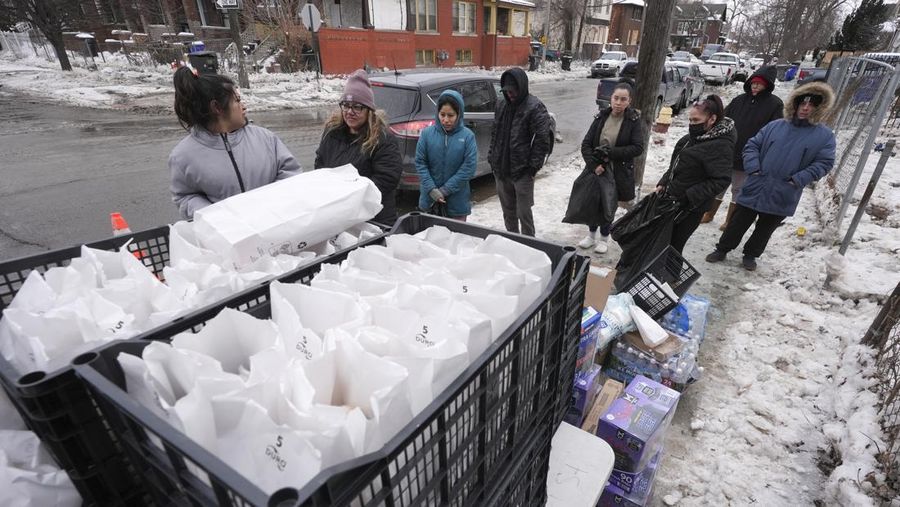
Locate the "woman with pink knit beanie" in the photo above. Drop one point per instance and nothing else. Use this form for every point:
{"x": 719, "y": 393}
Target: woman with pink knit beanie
{"x": 357, "y": 134}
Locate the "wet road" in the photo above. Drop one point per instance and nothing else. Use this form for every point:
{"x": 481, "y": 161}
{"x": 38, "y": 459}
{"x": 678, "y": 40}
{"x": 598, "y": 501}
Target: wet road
{"x": 64, "y": 169}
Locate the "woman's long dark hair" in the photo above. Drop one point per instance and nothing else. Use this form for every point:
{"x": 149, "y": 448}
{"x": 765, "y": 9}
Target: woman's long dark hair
{"x": 194, "y": 92}
{"x": 712, "y": 104}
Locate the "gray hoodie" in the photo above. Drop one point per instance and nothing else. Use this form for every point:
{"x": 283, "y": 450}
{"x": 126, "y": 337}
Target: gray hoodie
{"x": 202, "y": 172}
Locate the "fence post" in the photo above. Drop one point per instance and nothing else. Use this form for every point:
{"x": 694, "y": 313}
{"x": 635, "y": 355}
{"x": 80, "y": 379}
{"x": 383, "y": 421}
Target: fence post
{"x": 885, "y": 320}
{"x": 884, "y": 99}
{"x": 870, "y": 188}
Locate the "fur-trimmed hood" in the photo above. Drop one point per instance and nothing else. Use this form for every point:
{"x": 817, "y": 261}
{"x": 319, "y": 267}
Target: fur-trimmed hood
{"x": 818, "y": 88}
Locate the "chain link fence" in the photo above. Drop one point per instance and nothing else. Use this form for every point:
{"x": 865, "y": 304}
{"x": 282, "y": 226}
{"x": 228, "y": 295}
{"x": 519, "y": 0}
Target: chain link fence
{"x": 865, "y": 111}
{"x": 26, "y": 43}
{"x": 884, "y": 337}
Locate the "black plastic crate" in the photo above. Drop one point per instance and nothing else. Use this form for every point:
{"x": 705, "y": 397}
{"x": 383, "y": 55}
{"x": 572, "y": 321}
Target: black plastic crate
{"x": 667, "y": 267}
{"x": 56, "y": 404}
{"x": 471, "y": 438}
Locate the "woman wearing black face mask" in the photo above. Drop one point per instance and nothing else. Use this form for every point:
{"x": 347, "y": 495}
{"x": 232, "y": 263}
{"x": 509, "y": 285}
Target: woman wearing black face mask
{"x": 700, "y": 167}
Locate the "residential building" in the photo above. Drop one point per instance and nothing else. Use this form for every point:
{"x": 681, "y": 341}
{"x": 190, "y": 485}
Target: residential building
{"x": 695, "y": 24}
{"x": 424, "y": 33}
{"x": 596, "y": 28}
{"x": 626, "y": 24}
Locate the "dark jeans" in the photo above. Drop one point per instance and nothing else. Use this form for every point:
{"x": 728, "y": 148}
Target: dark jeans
{"x": 741, "y": 221}
{"x": 604, "y": 229}
{"x": 516, "y": 200}
{"x": 685, "y": 228}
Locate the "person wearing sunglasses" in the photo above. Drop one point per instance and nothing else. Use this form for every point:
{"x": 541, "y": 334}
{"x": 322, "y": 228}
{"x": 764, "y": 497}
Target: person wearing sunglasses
{"x": 357, "y": 134}
{"x": 751, "y": 111}
{"x": 700, "y": 167}
{"x": 783, "y": 158}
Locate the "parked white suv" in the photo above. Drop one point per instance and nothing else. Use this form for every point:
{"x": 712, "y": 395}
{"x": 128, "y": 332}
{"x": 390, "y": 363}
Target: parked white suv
{"x": 609, "y": 64}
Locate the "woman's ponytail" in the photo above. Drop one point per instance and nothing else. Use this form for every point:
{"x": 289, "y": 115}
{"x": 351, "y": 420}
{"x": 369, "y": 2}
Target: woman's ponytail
{"x": 194, "y": 92}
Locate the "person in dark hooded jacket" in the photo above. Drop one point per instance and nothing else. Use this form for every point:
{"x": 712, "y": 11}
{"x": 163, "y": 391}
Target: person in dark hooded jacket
{"x": 520, "y": 143}
{"x": 700, "y": 166}
{"x": 780, "y": 160}
{"x": 751, "y": 111}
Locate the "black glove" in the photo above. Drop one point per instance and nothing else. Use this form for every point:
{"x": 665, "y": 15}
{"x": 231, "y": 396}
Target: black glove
{"x": 601, "y": 154}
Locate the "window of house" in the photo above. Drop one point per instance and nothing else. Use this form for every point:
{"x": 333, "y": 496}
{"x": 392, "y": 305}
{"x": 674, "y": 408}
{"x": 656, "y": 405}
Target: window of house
{"x": 425, "y": 57}
{"x": 633, "y": 37}
{"x": 486, "y": 20}
{"x": 155, "y": 13}
{"x": 209, "y": 15}
{"x": 518, "y": 23}
{"x": 463, "y": 56}
{"x": 426, "y": 15}
{"x": 503, "y": 21}
{"x": 463, "y": 17}
{"x": 110, "y": 11}
{"x": 636, "y": 13}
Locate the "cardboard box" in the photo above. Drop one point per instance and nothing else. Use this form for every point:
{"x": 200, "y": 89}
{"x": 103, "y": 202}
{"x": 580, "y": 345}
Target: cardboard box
{"x": 610, "y": 390}
{"x": 590, "y": 330}
{"x": 587, "y": 385}
{"x": 662, "y": 352}
{"x": 599, "y": 284}
{"x": 637, "y": 484}
{"x": 642, "y": 491}
{"x": 635, "y": 424}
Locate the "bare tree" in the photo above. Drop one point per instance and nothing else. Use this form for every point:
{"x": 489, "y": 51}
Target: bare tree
{"x": 565, "y": 17}
{"x": 790, "y": 28}
{"x": 282, "y": 22}
{"x": 50, "y": 17}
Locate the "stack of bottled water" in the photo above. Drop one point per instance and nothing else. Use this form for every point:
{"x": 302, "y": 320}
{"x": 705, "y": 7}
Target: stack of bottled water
{"x": 688, "y": 322}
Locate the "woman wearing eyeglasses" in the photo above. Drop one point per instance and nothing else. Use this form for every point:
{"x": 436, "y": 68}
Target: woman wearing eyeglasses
{"x": 784, "y": 157}
{"x": 700, "y": 167}
{"x": 357, "y": 134}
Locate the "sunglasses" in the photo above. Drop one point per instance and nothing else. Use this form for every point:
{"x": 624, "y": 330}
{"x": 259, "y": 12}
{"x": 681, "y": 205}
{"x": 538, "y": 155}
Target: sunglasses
{"x": 351, "y": 106}
{"x": 815, "y": 100}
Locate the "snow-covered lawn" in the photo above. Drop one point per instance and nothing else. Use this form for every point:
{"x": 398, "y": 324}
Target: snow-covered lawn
{"x": 116, "y": 84}
{"x": 785, "y": 378}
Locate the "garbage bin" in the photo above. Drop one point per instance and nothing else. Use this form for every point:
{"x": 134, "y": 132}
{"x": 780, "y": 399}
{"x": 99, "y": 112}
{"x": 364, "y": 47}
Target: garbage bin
{"x": 197, "y": 46}
{"x": 533, "y": 62}
{"x": 566, "y": 62}
{"x": 206, "y": 62}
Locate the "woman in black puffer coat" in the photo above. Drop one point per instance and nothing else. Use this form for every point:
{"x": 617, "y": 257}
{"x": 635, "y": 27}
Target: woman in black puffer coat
{"x": 700, "y": 167}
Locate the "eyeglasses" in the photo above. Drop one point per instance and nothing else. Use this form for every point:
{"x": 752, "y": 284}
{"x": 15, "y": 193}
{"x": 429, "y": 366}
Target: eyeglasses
{"x": 815, "y": 100}
{"x": 351, "y": 106}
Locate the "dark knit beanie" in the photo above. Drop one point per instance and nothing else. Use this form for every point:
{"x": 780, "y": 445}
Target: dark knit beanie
{"x": 359, "y": 90}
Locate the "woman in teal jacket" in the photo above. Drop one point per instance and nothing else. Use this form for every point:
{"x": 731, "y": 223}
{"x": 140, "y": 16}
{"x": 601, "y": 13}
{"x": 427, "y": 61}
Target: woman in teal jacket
{"x": 446, "y": 157}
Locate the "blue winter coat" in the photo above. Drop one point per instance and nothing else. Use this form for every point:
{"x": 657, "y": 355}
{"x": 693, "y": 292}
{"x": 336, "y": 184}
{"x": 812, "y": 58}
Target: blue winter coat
{"x": 780, "y": 161}
{"x": 446, "y": 161}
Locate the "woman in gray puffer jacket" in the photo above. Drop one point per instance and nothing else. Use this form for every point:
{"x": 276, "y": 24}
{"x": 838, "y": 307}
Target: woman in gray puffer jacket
{"x": 223, "y": 155}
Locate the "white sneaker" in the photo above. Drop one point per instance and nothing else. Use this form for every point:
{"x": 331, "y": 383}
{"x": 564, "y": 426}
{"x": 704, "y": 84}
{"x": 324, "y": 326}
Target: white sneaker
{"x": 602, "y": 245}
{"x": 587, "y": 242}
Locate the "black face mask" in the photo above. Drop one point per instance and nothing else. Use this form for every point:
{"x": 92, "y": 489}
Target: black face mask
{"x": 696, "y": 130}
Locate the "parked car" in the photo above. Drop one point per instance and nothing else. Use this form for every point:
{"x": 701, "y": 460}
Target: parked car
{"x": 742, "y": 72}
{"x": 409, "y": 100}
{"x": 672, "y": 90}
{"x": 720, "y": 68}
{"x": 711, "y": 49}
{"x": 810, "y": 74}
{"x": 757, "y": 61}
{"x": 693, "y": 80}
{"x": 610, "y": 63}
{"x": 682, "y": 56}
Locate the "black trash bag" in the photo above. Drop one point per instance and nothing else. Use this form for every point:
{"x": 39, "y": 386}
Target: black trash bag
{"x": 585, "y": 199}
{"x": 439, "y": 209}
{"x": 643, "y": 233}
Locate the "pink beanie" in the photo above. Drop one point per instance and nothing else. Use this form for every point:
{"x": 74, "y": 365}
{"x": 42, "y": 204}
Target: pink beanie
{"x": 359, "y": 90}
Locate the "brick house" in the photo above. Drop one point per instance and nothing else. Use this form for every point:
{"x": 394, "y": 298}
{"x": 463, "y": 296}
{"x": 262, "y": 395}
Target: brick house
{"x": 695, "y": 24}
{"x": 626, "y": 25}
{"x": 424, "y": 33}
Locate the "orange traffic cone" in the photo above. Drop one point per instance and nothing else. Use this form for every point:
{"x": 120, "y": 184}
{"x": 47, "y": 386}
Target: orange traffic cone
{"x": 119, "y": 225}
{"x": 120, "y": 228}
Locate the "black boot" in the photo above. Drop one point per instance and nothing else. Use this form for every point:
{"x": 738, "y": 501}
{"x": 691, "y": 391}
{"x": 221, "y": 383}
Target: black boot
{"x": 749, "y": 263}
{"x": 716, "y": 256}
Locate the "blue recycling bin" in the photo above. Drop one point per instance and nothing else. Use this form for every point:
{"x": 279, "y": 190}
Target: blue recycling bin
{"x": 196, "y": 47}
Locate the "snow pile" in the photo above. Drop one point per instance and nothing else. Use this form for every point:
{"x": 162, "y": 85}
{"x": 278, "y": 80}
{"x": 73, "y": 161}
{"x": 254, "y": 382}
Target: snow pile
{"x": 786, "y": 379}
{"x": 117, "y": 84}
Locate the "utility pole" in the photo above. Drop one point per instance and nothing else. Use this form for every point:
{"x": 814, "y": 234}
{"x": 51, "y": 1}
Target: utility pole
{"x": 234, "y": 21}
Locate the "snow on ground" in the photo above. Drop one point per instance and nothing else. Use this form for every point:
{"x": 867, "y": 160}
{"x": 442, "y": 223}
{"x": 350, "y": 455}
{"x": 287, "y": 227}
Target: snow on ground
{"x": 785, "y": 376}
{"x": 117, "y": 84}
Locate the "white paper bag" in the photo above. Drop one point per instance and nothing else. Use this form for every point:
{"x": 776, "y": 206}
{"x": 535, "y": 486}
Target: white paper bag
{"x": 455, "y": 243}
{"x": 287, "y": 216}
{"x": 524, "y": 257}
{"x": 29, "y": 477}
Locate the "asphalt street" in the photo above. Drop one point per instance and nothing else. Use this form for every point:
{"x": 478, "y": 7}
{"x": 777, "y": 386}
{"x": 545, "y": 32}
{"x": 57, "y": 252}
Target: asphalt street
{"x": 64, "y": 169}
